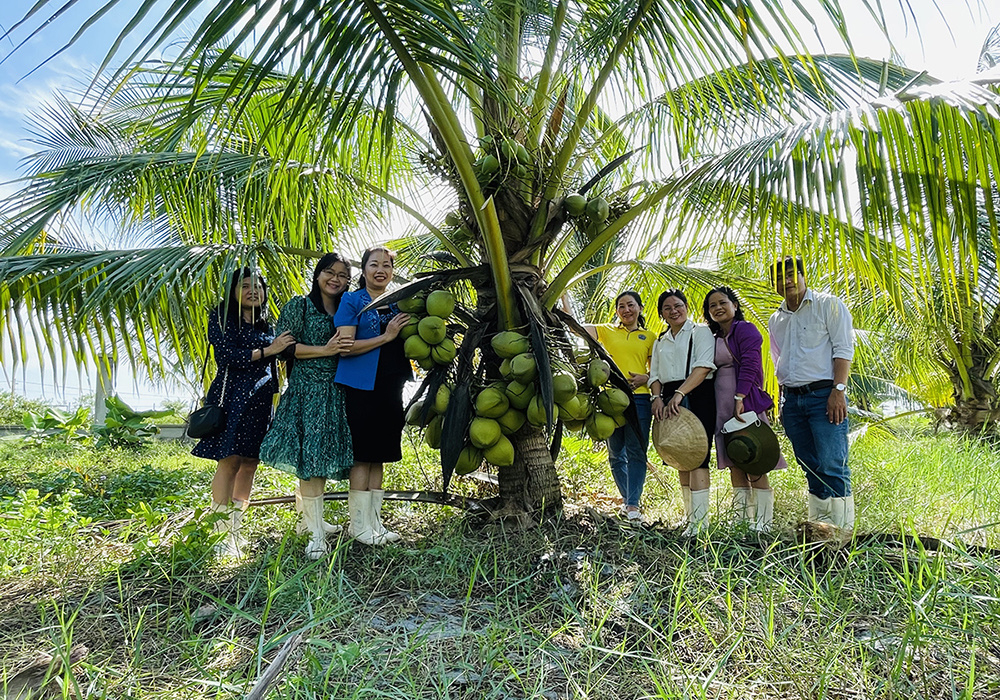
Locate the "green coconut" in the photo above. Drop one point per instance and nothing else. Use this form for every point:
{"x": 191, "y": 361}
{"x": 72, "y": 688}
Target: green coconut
{"x": 536, "y": 412}
{"x": 441, "y": 398}
{"x": 426, "y": 363}
{"x": 410, "y": 329}
{"x": 432, "y": 434}
{"x": 432, "y": 329}
{"x": 511, "y": 421}
{"x": 469, "y": 460}
{"x": 444, "y": 352}
{"x": 412, "y": 305}
{"x": 415, "y": 348}
{"x": 500, "y": 453}
{"x": 414, "y": 416}
{"x": 574, "y": 425}
{"x": 597, "y": 209}
{"x": 440, "y": 303}
{"x": 505, "y": 370}
{"x": 489, "y": 164}
{"x": 524, "y": 368}
{"x": 619, "y": 420}
{"x": 598, "y": 372}
{"x": 600, "y": 426}
{"x": 520, "y": 394}
{"x": 509, "y": 344}
{"x": 453, "y": 218}
{"x": 563, "y": 386}
{"x": 576, "y": 204}
{"x": 613, "y": 401}
{"x": 484, "y": 432}
{"x": 491, "y": 403}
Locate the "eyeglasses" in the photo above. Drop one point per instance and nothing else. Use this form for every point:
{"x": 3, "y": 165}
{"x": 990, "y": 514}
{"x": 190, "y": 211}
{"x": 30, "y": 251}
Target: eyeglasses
{"x": 338, "y": 275}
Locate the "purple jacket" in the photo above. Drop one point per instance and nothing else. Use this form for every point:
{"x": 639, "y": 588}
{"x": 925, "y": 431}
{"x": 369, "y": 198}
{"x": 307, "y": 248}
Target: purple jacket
{"x": 744, "y": 342}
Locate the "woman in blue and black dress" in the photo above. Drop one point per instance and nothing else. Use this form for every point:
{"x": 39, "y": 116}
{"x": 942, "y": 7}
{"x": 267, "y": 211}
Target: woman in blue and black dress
{"x": 244, "y": 386}
{"x": 309, "y": 436}
{"x": 373, "y": 374}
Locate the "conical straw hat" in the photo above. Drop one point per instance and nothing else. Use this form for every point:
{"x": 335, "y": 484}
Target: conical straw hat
{"x": 681, "y": 440}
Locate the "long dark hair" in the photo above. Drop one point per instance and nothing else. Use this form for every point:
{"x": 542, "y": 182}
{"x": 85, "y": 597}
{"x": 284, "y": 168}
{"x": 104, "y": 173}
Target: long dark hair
{"x": 230, "y": 308}
{"x": 729, "y": 292}
{"x": 327, "y": 261}
{"x": 666, "y": 295}
{"x": 367, "y": 255}
{"x": 638, "y": 300}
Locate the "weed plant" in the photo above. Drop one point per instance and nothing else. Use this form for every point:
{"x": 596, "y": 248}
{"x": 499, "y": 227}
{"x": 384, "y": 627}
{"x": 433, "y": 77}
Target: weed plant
{"x": 107, "y": 549}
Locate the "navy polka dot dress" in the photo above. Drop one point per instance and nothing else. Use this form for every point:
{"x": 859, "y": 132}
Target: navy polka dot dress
{"x": 249, "y": 388}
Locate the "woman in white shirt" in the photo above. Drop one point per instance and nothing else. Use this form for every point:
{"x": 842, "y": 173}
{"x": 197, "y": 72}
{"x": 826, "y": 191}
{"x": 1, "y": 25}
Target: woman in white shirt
{"x": 681, "y": 374}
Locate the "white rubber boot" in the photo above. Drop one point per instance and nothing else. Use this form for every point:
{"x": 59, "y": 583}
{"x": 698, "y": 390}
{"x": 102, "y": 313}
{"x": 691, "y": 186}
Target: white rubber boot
{"x": 300, "y": 527}
{"x": 842, "y": 512}
{"x": 312, "y": 516}
{"x": 698, "y": 521}
{"x": 236, "y": 514}
{"x": 376, "y": 515}
{"x": 764, "y": 516}
{"x": 819, "y": 510}
{"x": 359, "y": 503}
{"x": 743, "y": 507}
{"x": 227, "y": 546}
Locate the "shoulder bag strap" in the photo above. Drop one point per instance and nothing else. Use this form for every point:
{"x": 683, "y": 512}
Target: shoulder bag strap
{"x": 687, "y": 370}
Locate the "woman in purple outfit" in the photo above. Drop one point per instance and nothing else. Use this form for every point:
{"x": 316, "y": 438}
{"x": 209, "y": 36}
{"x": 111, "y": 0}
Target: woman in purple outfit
{"x": 739, "y": 380}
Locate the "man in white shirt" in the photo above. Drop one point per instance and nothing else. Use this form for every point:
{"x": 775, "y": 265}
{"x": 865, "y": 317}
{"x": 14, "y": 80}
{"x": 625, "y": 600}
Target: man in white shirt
{"x": 812, "y": 344}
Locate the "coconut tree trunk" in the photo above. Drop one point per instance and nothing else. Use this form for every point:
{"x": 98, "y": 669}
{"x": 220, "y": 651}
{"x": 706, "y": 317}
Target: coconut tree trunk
{"x": 977, "y": 397}
{"x": 531, "y": 484}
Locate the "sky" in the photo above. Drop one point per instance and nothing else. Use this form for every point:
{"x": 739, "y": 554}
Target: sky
{"x": 945, "y": 42}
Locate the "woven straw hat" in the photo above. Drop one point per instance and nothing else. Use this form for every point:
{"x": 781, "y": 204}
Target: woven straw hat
{"x": 681, "y": 440}
{"x": 752, "y": 447}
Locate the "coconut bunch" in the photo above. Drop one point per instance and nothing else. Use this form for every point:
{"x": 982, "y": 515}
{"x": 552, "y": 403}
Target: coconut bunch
{"x": 428, "y": 339}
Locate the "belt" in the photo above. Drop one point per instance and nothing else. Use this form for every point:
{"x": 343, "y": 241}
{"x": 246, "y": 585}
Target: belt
{"x": 809, "y": 388}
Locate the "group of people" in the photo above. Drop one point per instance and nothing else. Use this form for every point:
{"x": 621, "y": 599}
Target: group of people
{"x": 341, "y": 415}
{"x": 715, "y": 370}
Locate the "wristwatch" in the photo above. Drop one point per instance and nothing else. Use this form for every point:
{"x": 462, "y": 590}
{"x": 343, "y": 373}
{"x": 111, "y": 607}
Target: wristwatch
{"x": 840, "y": 387}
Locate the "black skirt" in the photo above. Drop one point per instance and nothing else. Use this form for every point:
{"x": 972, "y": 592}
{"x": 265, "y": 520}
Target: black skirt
{"x": 376, "y": 417}
{"x": 701, "y": 402}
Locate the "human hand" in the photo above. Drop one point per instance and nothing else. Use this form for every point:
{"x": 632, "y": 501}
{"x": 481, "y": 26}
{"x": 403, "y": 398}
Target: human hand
{"x": 279, "y": 344}
{"x": 674, "y": 405}
{"x": 394, "y": 326}
{"x": 739, "y": 410}
{"x": 659, "y": 410}
{"x": 637, "y": 380}
{"x": 836, "y": 407}
{"x": 338, "y": 344}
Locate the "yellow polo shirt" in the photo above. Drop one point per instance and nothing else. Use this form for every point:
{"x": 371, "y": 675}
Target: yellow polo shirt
{"x": 630, "y": 350}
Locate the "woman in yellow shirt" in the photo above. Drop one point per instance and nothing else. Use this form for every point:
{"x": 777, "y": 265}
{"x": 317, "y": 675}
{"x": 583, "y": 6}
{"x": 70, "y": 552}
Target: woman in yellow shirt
{"x": 630, "y": 345}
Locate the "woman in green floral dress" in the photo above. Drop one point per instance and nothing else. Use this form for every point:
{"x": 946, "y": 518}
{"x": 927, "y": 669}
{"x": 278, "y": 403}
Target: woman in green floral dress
{"x": 309, "y": 436}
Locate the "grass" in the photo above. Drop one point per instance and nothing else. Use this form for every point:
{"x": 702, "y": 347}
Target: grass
{"x": 103, "y": 548}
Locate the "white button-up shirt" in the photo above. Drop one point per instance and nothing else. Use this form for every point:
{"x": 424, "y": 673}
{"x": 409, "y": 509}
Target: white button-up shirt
{"x": 805, "y": 342}
{"x": 670, "y": 352}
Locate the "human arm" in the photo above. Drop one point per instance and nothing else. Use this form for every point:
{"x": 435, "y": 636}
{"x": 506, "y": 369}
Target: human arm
{"x": 230, "y": 353}
{"x": 339, "y": 344}
{"x": 840, "y": 325}
{"x": 745, "y": 343}
{"x": 360, "y": 347}
{"x": 693, "y": 381}
{"x": 836, "y": 405}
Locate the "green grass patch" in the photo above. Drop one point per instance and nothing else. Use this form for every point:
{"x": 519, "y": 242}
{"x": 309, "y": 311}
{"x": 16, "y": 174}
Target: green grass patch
{"x": 106, "y": 549}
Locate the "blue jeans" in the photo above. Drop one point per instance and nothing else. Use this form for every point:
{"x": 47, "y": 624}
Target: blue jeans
{"x": 627, "y": 453}
{"x": 820, "y": 446}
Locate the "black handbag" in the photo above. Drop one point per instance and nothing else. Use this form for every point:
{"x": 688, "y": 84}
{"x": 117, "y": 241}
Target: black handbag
{"x": 210, "y": 419}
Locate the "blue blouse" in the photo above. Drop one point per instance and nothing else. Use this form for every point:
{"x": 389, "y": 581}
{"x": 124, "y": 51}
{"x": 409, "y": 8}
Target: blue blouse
{"x": 358, "y": 371}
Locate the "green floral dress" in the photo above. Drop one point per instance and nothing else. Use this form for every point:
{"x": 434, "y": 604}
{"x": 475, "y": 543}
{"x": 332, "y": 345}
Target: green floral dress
{"x": 309, "y": 436}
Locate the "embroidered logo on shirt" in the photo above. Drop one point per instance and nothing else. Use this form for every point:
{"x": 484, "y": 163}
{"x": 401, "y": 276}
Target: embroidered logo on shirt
{"x": 642, "y": 337}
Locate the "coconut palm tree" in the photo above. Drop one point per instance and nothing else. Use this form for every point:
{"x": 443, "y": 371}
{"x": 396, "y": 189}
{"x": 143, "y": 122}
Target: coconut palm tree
{"x": 574, "y": 138}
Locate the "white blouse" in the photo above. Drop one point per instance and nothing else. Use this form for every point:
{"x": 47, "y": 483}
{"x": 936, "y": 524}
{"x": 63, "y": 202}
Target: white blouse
{"x": 670, "y": 353}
